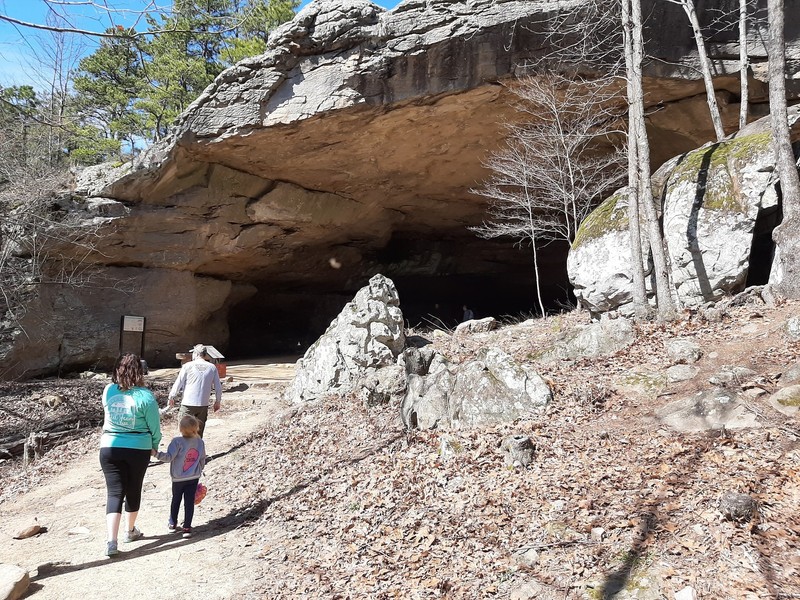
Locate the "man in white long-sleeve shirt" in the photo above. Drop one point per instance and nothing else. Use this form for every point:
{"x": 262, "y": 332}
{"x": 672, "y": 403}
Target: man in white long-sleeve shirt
{"x": 195, "y": 380}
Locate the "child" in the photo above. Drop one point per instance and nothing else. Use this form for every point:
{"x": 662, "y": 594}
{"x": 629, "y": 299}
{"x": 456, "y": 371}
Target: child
{"x": 187, "y": 453}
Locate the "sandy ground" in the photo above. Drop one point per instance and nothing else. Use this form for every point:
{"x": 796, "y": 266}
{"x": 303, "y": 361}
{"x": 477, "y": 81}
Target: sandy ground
{"x": 68, "y": 560}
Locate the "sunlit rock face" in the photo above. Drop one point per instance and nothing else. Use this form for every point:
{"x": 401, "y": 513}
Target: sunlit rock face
{"x": 350, "y": 148}
{"x": 720, "y": 204}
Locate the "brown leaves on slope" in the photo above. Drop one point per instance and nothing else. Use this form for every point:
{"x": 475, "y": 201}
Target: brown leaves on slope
{"x": 352, "y": 507}
{"x": 346, "y": 504}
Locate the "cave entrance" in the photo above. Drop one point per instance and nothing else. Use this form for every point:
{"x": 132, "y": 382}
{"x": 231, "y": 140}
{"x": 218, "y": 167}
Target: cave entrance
{"x": 762, "y": 249}
{"x": 491, "y": 278}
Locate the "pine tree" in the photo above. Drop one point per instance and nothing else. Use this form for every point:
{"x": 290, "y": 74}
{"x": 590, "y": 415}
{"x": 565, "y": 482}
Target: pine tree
{"x": 107, "y": 85}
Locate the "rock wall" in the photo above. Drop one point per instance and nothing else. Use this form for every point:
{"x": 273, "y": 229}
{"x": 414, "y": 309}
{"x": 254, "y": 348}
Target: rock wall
{"x": 66, "y": 328}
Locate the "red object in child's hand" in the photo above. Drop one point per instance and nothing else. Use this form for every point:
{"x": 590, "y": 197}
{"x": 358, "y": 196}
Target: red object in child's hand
{"x": 200, "y": 493}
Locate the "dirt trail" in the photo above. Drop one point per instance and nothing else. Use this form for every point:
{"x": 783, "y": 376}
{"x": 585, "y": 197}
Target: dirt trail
{"x": 68, "y": 561}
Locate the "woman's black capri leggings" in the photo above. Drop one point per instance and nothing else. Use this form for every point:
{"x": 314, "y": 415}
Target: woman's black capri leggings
{"x": 124, "y": 470}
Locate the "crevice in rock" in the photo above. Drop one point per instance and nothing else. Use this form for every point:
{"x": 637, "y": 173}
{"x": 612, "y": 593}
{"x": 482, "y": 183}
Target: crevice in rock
{"x": 762, "y": 250}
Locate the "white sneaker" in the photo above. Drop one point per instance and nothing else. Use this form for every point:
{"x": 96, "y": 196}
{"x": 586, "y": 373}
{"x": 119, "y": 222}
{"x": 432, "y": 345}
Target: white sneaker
{"x": 132, "y": 535}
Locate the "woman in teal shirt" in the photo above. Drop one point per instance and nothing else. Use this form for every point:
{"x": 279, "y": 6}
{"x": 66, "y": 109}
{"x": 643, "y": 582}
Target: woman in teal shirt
{"x": 131, "y": 433}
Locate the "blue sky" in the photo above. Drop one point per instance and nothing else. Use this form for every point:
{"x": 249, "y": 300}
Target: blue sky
{"x": 22, "y": 49}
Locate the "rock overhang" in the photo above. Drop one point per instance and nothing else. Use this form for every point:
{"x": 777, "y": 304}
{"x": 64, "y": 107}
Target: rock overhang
{"x": 350, "y": 148}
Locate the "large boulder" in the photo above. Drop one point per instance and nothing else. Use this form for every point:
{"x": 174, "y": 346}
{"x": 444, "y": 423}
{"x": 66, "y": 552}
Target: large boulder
{"x": 366, "y": 337}
{"x": 708, "y": 410}
{"x": 599, "y": 338}
{"x": 598, "y": 262}
{"x": 493, "y": 388}
{"x": 720, "y": 205}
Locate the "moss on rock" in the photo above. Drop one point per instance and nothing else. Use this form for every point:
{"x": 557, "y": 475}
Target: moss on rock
{"x": 720, "y": 193}
{"x": 603, "y": 219}
{"x": 716, "y": 159}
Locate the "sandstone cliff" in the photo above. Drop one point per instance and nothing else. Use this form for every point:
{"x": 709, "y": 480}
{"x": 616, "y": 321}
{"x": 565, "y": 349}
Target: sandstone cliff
{"x": 347, "y": 149}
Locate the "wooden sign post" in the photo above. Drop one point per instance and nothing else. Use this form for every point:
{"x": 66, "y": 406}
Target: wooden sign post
{"x": 131, "y": 324}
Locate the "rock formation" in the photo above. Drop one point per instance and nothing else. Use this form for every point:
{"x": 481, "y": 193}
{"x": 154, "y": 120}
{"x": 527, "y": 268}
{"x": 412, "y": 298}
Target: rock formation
{"x": 720, "y": 205}
{"x": 363, "y": 353}
{"x": 491, "y": 389}
{"x": 347, "y": 149}
{"x": 358, "y": 350}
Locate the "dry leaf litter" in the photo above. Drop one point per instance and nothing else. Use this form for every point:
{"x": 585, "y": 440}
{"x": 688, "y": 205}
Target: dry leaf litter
{"x": 337, "y": 500}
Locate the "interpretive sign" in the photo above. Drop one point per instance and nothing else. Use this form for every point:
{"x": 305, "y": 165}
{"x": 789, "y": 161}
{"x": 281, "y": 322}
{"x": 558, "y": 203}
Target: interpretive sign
{"x": 131, "y": 334}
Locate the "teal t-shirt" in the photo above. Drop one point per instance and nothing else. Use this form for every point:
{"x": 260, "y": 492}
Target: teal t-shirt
{"x": 131, "y": 419}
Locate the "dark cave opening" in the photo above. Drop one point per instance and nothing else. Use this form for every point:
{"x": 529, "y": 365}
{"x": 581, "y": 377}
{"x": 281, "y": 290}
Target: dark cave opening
{"x": 286, "y": 321}
{"x": 762, "y": 249}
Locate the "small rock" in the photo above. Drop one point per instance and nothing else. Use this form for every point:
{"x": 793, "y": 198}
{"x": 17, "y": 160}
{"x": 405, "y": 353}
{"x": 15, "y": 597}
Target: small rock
{"x": 687, "y": 593}
{"x": 732, "y": 375}
{"x": 678, "y": 373}
{"x": 439, "y": 335}
{"x": 477, "y": 325}
{"x": 783, "y": 402}
{"x": 791, "y": 374}
{"x": 518, "y": 450}
{"x": 597, "y": 534}
{"x": 449, "y": 447}
{"x": 712, "y": 315}
{"x": 53, "y": 401}
{"x": 737, "y": 507}
{"x": 788, "y": 396}
{"x": 534, "y": 589}
{"x": 683, "y": 351}
{"x": 528, "y": 558}
{"x": 793, "y": 328}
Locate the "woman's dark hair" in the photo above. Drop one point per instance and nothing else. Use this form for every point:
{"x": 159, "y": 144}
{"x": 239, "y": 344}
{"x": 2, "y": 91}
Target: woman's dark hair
{"x": 128, "y": 371}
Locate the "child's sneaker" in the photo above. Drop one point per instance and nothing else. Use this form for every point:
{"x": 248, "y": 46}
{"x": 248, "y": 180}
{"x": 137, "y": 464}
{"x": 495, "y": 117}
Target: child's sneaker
{"x": 172, "y": 527}
{"x": 186, "y": 533}
{"x": 132, "y": 535}
{"x": 111, "y": 549}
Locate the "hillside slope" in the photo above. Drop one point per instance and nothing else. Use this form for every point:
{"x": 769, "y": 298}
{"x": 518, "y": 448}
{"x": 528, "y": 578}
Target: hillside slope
{"x": 336, "y": 500}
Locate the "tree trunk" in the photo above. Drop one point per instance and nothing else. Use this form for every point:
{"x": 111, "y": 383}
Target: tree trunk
{"x": 744, "y": 65}
{"x": 666, "y": 305}
{"x": 536, "y": 274}
{"x": 641, "y": 307}
{"x": 786, "y": 235}
{"x": 705, "y": 67}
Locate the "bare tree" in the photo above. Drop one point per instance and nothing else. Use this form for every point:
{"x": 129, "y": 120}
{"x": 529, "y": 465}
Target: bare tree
{"x": 640, "y": 192}
{"x": 744, "y": 65}
{"x": 602, "y": 48}
{"x": 41, "y": 242}
{"x": 641, "y": 307}
{"x": 552, "y": 171}
{"x": 705, "y": 65}
{"x": 785, "y": 235}
{"x": 59, "y": 57}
